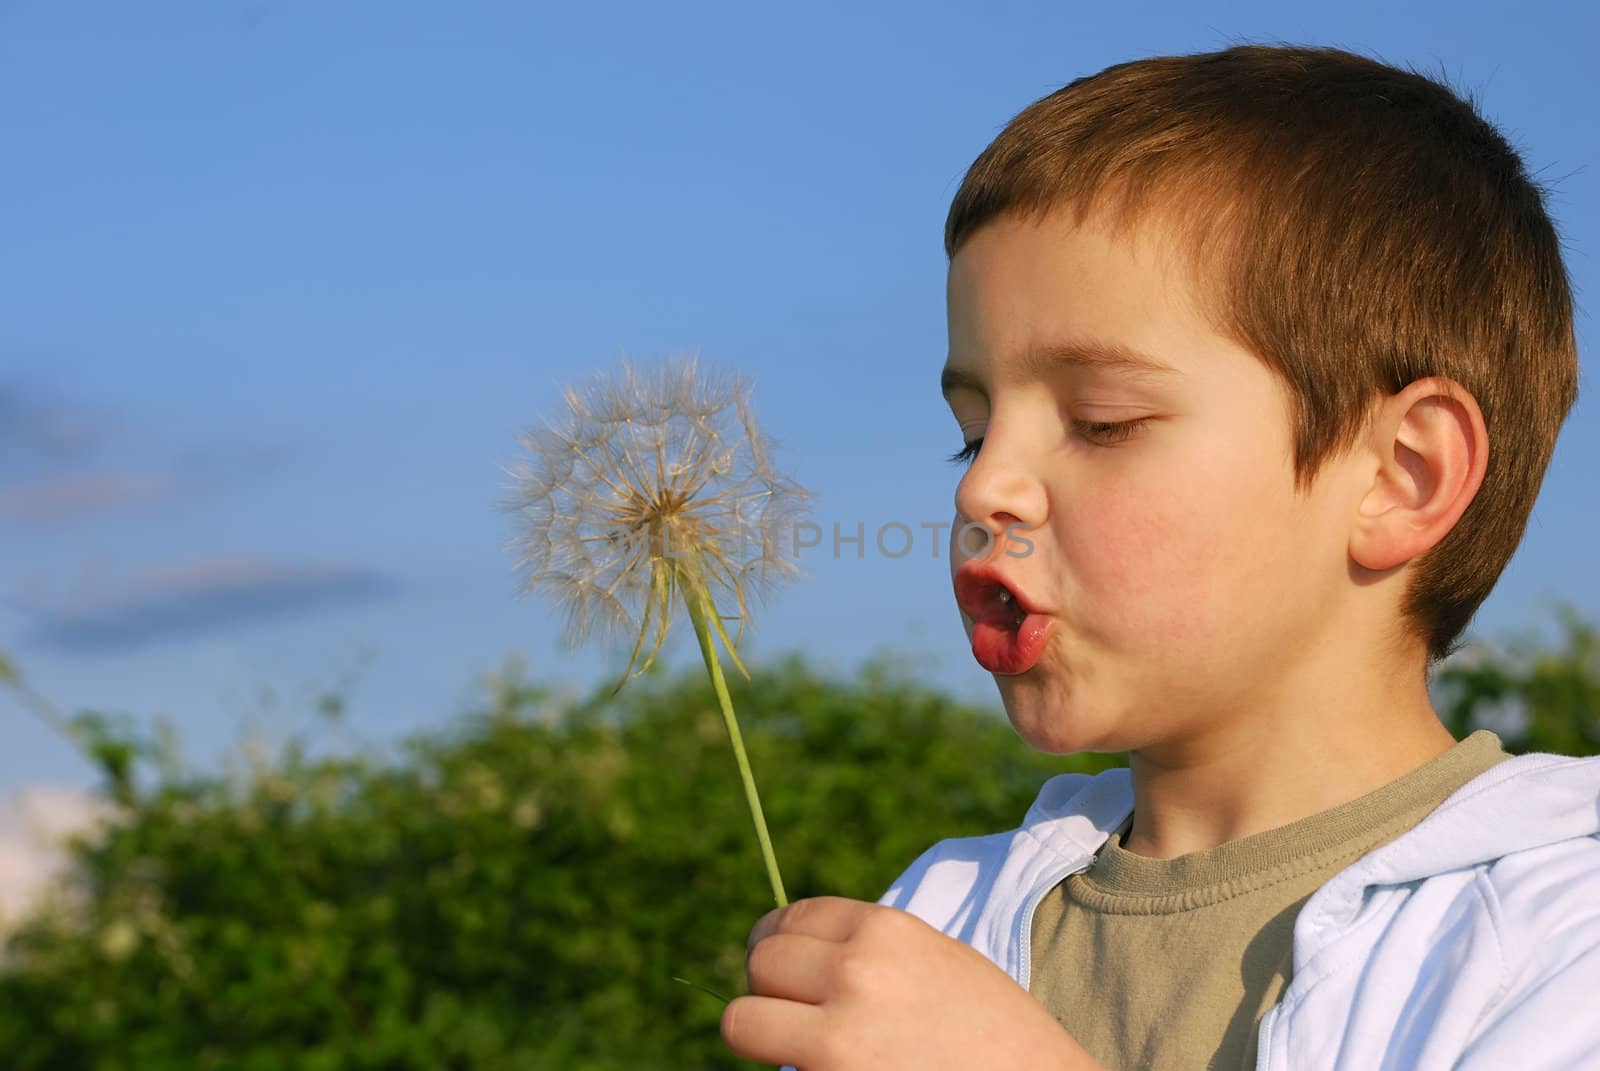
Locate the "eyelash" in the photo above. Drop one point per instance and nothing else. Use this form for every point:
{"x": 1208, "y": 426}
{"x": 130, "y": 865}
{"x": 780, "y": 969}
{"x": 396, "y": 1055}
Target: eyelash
{"x": 1108, "y": 434}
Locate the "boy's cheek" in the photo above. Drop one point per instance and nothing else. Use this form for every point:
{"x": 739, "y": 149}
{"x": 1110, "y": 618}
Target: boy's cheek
{"x": 1148, "y": 572}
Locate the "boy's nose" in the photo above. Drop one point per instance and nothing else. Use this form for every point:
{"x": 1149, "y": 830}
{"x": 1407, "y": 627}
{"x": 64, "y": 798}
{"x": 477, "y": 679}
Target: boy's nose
{"x": 997, "y": 495}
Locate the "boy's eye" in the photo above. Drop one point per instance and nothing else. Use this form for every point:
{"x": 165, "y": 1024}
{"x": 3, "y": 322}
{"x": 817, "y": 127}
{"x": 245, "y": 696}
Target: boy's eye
{"x": 1105, "y": 433}
{"x": 965, "y": 455}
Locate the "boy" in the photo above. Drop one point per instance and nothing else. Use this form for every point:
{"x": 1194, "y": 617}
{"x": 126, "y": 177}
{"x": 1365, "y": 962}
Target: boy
{"x": 1259, "y": 357}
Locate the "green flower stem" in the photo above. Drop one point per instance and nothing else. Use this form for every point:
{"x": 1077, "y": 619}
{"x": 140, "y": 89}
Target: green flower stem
{"x": 700, "y": 610}
{"x": 704, "y": 989}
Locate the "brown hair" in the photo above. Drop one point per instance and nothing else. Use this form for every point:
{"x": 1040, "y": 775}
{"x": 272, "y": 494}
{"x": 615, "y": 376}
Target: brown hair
{"x": 1364, "y": 227}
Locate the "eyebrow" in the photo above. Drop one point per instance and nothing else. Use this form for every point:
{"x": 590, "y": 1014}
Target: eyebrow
{"x": 1039, "y": 361}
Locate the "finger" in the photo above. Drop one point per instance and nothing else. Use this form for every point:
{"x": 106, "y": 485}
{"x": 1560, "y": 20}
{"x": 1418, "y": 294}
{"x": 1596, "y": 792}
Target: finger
{"x": 792, "y": 966}
{"x": 773, "y": 1031}
{"x": 832, "y": 918}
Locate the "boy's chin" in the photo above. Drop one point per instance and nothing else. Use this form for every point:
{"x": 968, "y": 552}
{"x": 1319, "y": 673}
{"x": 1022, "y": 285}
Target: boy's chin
{"x": 1057, "y": 720}
{"x": 1043, "y": 721}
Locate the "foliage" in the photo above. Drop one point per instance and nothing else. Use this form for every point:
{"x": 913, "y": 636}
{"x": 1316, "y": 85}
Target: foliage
{"x": 517, "y": 893}
{"x": 1535, "y": 695}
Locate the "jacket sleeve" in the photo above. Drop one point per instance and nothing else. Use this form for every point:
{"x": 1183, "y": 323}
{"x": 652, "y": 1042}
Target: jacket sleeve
{"x": 1548, "y": 1023}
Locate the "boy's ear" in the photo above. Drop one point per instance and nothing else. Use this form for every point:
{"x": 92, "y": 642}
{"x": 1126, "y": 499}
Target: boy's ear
{"x": 1432, "y": 448}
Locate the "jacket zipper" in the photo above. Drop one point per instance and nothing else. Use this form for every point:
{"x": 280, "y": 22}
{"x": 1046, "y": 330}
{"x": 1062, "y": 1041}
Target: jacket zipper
{"x": 1025, "y": 937}
{"x": 1264, "y": 1034}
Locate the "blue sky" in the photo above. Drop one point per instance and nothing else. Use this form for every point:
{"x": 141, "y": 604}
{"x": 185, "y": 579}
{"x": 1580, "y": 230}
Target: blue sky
{"x": 280, "y": 283}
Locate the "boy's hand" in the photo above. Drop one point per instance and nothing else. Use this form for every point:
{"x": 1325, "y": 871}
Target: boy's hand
{"x": 841, "y": 985}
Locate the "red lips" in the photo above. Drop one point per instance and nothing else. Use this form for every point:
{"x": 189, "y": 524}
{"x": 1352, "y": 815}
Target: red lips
{"x": 1008, "y": 633}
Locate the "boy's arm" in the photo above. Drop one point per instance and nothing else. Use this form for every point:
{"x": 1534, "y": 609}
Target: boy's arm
{"x": 844, "y": 985}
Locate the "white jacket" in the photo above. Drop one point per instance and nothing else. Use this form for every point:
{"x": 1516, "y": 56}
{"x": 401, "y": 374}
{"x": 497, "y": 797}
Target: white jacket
{"x": 1470, "y": 942}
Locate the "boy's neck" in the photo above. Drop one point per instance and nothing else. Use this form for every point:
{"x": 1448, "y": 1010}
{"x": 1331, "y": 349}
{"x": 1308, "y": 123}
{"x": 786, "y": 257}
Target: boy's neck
{"x": 1263, "y": 771}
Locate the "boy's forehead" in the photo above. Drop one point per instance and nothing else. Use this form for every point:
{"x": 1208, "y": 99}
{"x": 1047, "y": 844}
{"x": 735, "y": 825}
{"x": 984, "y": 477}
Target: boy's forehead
{"x": 1032, "y": 298}
{"x": 1044, "y": 360}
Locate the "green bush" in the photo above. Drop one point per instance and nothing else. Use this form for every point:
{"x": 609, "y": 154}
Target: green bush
{"x": 1538, "y": 696}
{"x": 517, "y": 893}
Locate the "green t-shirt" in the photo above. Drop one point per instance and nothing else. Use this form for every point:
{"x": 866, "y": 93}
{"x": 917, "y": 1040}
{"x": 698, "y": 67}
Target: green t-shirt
{"x": 1172, "y": 963}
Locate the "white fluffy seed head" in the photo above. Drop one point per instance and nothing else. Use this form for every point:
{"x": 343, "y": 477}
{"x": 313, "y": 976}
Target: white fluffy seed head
{"x": 649, "y": 466}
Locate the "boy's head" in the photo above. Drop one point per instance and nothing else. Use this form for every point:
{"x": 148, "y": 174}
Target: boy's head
{"x": 1356, "y": 289}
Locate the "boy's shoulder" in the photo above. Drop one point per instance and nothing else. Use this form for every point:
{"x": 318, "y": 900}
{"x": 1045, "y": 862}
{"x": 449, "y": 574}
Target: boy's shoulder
{"x": 1505, "y": 826}
{"x": 1476, "y": 932}
{"x": 971, "y": 887}
{"x": 1071, "y": 816}
{"x": 1538, "y": 893}
{"x": 1527, "y": 824}
{"x": 1538, "y": 873}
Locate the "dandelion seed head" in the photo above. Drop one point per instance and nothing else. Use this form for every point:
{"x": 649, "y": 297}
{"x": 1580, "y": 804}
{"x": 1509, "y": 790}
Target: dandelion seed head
{"x": 648, "y": 469}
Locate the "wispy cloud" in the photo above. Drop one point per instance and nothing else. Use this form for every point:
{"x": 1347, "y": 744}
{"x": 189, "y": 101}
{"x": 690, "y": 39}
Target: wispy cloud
{"x": 53, "y": 454}
{"x": 221, "y": 468}
{"x": 64, "y": 498}
{"x": 197, "y": 598}
{"x": 40, "y": 427}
